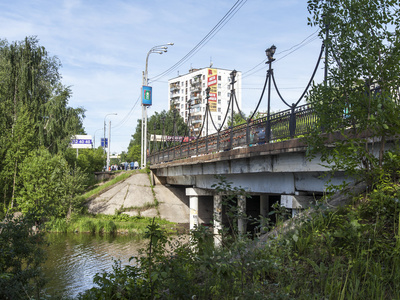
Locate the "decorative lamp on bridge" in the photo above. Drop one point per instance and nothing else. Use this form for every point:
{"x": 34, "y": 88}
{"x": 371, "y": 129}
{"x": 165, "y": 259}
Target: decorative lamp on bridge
{"x": 270, "y": 54}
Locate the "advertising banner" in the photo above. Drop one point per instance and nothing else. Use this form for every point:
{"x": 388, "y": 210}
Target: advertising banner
{"x": 212, "y": 80}
{"x": 169, "y": 138}
{"x": 147, "y": 95}
{"x": 81, "y": 141}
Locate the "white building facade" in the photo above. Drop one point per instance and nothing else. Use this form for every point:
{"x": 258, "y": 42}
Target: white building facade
{"x": 189, "y": 91}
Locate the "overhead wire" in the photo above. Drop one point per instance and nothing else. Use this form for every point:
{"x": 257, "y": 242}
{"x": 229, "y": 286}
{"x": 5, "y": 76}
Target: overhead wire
{"x": 296, "y": 47}
{"x": 232, "y": 11}
{"x": 127, "y": 116}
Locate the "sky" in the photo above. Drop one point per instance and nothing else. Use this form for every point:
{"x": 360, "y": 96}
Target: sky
{"x": 103, "y": 44}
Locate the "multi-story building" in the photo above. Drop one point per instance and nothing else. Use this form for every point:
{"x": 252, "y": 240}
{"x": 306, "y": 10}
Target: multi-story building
{"x": 189, "y": 92}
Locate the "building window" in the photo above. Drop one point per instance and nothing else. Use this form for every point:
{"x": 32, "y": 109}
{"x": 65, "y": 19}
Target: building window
{"x": 219, "y": 77}
{"x": 219, "y": 109}
{"x": 204, "y": 77}
{"x": 229, "y": 94}
{"x": 219, "y": 85}
{"x": 204, "y": 84}
{"x": 219, "y": 93}
{"x": 219, "y": 118}
{"x": 219, "y": 101}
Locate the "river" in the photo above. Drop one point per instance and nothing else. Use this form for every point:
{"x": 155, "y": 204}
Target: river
{"x": 74, "y": 259}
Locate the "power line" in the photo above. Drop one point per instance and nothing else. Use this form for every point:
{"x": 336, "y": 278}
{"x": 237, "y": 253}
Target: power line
{"x": 128, "y": 115}
{"x": 303, "y": 43}
{"x": 232, "y": 11}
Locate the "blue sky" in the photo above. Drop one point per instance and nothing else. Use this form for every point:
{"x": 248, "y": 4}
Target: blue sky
{"x": 102, "y": 45}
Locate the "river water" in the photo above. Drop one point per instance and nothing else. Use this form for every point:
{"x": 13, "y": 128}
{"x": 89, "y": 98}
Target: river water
{"x": 74, "y": 259}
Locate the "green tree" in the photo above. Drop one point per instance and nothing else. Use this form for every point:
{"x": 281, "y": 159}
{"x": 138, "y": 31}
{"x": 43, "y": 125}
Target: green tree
{"x": 88, "y": 160}
{"x": 164, "y": 120}
{"x": 49, "y": 186}
{"x": 361, "y": 97}
{"x": 21, "y": 254}
{"x": 133, "y": 153}
{"x": 34, "y": 110}
{"x": 237, "y": 120}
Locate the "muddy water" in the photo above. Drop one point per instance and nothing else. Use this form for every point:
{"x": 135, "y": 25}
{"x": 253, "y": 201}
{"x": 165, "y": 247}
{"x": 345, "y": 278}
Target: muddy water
{"x": 74, "y": 259}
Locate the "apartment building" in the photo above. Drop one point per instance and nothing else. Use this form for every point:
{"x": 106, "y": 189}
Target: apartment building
{"x": 188, "y": 91}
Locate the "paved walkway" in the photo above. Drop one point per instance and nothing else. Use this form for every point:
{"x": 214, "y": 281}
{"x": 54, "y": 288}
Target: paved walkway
{"x": 135, "y": 195}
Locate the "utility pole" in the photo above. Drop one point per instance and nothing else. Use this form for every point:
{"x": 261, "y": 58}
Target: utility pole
{"x": 160, "y": 50}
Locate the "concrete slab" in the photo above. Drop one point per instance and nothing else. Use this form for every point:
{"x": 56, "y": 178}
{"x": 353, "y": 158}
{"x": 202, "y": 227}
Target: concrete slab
{"x": 139, "y": 179}
{"x": 171, "y": 207}
{"x": 152, "y": 212}
{"x": 138, "y": 196}
{"x": 131, "y": 213}
{"x": 136, "y": 192}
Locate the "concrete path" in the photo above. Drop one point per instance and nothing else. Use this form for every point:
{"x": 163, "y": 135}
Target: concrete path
{"x": 135, "y": 196}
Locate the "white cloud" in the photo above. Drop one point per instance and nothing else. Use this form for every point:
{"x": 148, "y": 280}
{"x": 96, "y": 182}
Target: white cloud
{"x": 103, "y": 45}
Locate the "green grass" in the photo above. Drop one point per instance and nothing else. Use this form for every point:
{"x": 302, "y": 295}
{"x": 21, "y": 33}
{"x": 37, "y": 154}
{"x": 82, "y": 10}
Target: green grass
{"x": 99, "y": 189}
{"x": 106, "y": 224}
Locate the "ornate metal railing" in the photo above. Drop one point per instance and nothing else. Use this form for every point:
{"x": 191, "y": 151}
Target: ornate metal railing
{"x": 287, "y": 124}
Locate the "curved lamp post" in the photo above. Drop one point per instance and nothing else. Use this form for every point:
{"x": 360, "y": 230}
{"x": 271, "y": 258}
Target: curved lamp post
{"x": 270, "y": 54}
{"x": 160, "y": 49}
{"x": 109, "y": 136}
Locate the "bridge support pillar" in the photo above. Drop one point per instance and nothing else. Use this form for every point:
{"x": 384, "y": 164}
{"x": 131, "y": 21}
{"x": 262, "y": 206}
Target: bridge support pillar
{"x": 194, "y": 194}
{"x": 242, "y": 214}
{"x": 194, "y": 211}
{"x": 217, "y": 220}
{"x": 264, "y": 210}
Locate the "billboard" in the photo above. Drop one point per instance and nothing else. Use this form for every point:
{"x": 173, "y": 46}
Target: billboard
{"x": 212, "y": 80}
{"x": 147, "y": 95}
{"x": 81, "y": 141}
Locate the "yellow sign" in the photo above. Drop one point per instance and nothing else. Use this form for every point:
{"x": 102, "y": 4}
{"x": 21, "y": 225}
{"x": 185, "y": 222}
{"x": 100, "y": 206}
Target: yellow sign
{"x": 212, "y": 80}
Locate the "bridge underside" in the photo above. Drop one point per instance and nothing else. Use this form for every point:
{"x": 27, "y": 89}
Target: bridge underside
{"x": 270, "y": 173}
{"x": 275, "y": 170}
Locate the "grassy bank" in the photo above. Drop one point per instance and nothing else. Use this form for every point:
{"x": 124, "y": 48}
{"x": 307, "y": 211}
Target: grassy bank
{"x": 100, "y": 223}
{"x": 123, "y": 224}
{"x": 97, "y": 189}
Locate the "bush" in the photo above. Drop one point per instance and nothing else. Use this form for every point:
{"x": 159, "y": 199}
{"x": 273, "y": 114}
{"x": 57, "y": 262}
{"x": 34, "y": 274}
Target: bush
{"x": 20, "y": 259}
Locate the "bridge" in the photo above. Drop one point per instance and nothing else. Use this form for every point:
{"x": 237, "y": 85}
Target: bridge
{"x": 277, "y": 171}
{"x": 266, "y": 157}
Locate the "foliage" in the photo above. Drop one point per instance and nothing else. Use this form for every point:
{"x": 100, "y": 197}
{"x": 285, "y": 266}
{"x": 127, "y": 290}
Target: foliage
{"x": 49, "y": 187}
{"x": 121, "y": 223}
{"x": 97, "y": 190}
{"x": 133, "y": 152}
{"x": 349, "y": 253}
{"x": 35, "y": 112}
{"x": 88, "y": 160}
{"x": 237, "y": 120}
{"x": 360, "y": 99}
{"x": 20, "y": 258}
{"x": 164, "y": 123}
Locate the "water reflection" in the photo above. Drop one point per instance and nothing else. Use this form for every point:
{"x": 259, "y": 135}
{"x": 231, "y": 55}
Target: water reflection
{"x": 74, "y": 259}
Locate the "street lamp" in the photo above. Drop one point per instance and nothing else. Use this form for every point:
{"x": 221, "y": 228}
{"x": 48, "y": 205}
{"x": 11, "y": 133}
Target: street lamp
{"x": 270, "y": 54}
{"x": 109, "y": 136}
{"x": 160, "y": 49}
{"x": 94, "y": 138}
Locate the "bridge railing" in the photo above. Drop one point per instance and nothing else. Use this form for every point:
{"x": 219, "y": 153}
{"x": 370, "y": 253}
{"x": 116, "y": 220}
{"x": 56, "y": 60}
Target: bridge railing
{"x": 286, "y": 124}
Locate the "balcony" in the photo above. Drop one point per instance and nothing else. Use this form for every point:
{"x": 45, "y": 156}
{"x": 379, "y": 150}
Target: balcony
{"x": 174, "y": 86}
